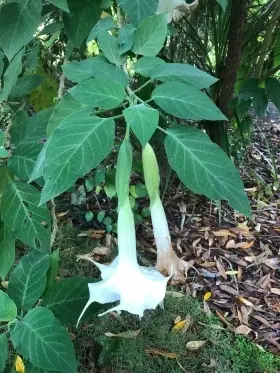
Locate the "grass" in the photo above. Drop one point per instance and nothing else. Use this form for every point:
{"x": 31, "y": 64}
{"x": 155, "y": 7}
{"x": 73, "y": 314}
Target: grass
{"x": 222, "y": 352}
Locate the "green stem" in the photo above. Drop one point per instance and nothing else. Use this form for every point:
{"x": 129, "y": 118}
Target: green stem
{"x": 143, "y": 86}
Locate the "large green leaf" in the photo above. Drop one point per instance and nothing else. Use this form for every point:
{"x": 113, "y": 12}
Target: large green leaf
{"x": 223, "y": 3}
{"x": 124, "y": 167}
{"x": 184, "y": 101}
{"x": 7, "y": 250}
{"x": 204, "y": 168}
{"x": 146, "y": 64}
{"x": 125, "y": 36}
{"x": 54, "y": 350}
{"x": 20, "y": 212}
{"x": 77, "y": 145}
{"x": 23, "y": 160}
{"x": 67, "y": 298}
{"x": 83, "y": 16}
{"x": 18, "y": 23}
{"x": 272, "y": 87}
{"x": 3, "y": 152}
{"x": 94, "y": 67}
{"x": 26, "y": 85}
{"x": 31, "y": 130}
{"x": 99, "y": 92}
{"x": 138, "y": 10}
{"x": 4, "y": 177}
{"x": 8, "y": 309}
{"x": 149, "y": 37}
{"x": 104, "y": 24}
{"x": 11, "y": 75}
{"x": 260, "y": 102}
{"x": 110, "y": 47}
{"x": 29, "y": 368}
{"x": 61, "y": 4}
{"x": 143, "y": 121}
{"x": 3, "y": 351}
{"x": 249, "y": 89}
{"x": 37, "y": 172}
{"x": 66, "y": 106}
{"x": 28, "y": 280}
{"x": 184, "y": 73}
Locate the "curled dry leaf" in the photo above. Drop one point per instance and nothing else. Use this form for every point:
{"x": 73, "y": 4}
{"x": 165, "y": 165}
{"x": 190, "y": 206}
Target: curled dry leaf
{"x": 223, "y": 233}
{"x": 130, "y": 334}
{"x": 246, "y": 302}
{"x": 155, "y": 351}
{"x": 195, "y": 345}
{"x": 101, "y": 250}
{"x": 243, "y": 329}
{"x": 275, "y": 291}
{"x": 221, "y": 269}
{"x": 273, "y": 304}
{"x": 230, "y": 244}
{"x": 244, "y": 245}
{"x": 229, "y": 289}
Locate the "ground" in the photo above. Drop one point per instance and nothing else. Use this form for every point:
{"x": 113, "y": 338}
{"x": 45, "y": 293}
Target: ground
{"x": 234, "y": 272}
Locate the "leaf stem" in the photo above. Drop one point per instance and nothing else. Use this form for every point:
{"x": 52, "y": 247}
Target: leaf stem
{"x": 143, "y": 86}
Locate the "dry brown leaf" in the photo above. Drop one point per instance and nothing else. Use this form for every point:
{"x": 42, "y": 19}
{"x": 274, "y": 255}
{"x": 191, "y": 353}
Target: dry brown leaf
{"x": 224, "y": 320}
{"x": 229, "y": 289}
{"x": 244, "y": 245}
{"x": 246, "y": 302}
{"x": 155, "y": 351}
{"x": 207, "y": 264}
{"x": 223, "y": 233}
{"x": 101, "y": 250}
{"x": 243, "y": 329}
{"x": 221, "y": 269}
{"x": 273, "y": 304}
{"x": 61, "y": 214}
{"x": 195, "y": 345}
{"x": 275, "y": 291}
{"x": 129, "y": 334}
{"x": 230, "y": 244}
{"x": 195, "y": 242}
{"x": 273, "y": 263}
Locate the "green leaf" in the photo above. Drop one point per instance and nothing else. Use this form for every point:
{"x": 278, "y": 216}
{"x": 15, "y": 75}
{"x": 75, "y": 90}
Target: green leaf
{"x": 61, "y": 4}
{"x": 223, "y": 3}
{"x": 77, "y": 145}
{"x": 11, "y": 75}
{"x": 4, "y": 177}
{"x": 7, "y": 250}
{"x": 54, "y": 350}
{"x": 104, "y": 24}
{"x": 150, "y": 36}
{"x": 37, "y": 172}
{"x": 89, "y": 216}
{"x": 186, "y": 102}
{"x": 94, "y": 67}
{"x": 4, "y": 349}
{"x": 20, "y": 212}
{"x": 272, "y": 87}
{"x": 145, "y": 65}
{"x": 249, "y": 89}
{"x": 138, "y": 10}
{"x": 143, "y": 121}
{"x": 3, "y": 152}
{"x": 26, "y": 85}
{"x": 23, "y": 160}
{"x": 110, "y": 47}
{"x": 66, "y": 106}
{"x": 8, "y": 309}
{"x": 183, "y": 73}
{"x": 110, "y": 190}
{"x": 67, "y": 298}
{"x": 18, "y": 23}
{"x": 126, "y": 37}
{"x": 260, "y": 102}
{"x": 31, "y": 130}
{"x": 99, "y": 92}
{"x": 83, "y": 16}
{"x": 124, "y": 167}
{"x": 29, "y": 368}
{"x": 204, "y": 168}
{"x": 28, "y": 280}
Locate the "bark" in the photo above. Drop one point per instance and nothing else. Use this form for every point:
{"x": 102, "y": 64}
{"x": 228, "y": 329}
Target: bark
{"x": 218, "y": 131}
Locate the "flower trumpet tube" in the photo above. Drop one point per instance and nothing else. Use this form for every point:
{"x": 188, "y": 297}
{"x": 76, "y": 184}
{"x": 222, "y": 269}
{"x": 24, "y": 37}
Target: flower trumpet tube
{"x": 136, "y": 288}
{"x": 167, "y": 260}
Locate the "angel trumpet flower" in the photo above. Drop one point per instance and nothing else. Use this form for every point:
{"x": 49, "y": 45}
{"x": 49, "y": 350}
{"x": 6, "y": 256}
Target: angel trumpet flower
{"x": 167, "y": 260}
{"x": 136, "y": 288}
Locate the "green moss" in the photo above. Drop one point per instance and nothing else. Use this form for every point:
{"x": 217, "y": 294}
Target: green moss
{"x": 227, "y": 352}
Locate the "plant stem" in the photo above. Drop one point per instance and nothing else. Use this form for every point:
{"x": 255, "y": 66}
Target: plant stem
{"x": 143, "y": 86}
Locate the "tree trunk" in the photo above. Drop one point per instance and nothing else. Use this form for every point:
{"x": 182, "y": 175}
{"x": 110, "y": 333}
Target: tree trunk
{"x": 218, "y": 131}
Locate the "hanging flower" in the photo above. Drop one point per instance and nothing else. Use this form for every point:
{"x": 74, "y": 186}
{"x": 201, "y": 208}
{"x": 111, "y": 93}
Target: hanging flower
{"x": 167, "y": 260}
{"x": 136, "y": 288}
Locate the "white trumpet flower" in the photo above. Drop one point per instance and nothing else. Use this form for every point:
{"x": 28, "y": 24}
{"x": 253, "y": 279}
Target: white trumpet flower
{"x": 167, "y": 260}
{"x": 137, "y": 288}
